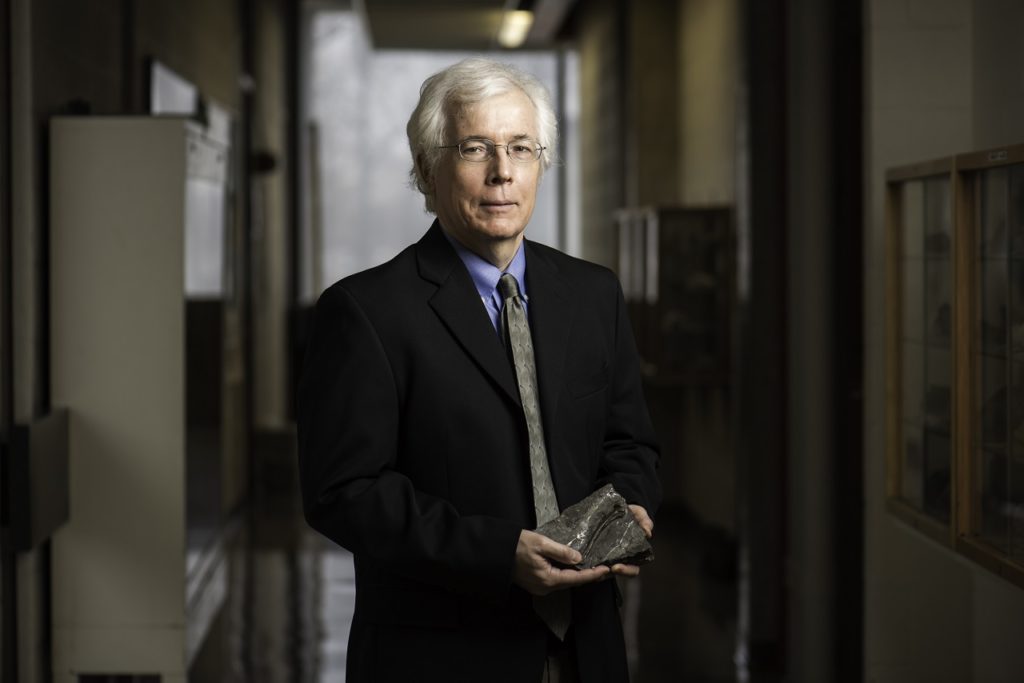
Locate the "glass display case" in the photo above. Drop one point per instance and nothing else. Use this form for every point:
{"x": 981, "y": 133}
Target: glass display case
{"x": 677, "y": 266}
{"x": 956, "y": 353}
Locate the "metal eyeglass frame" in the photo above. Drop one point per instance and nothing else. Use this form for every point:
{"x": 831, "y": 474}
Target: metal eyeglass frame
{"x": 493, "y": 147}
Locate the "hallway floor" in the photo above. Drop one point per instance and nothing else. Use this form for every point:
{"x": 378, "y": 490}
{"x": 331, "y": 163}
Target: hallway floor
{"x": 291, "y": 594}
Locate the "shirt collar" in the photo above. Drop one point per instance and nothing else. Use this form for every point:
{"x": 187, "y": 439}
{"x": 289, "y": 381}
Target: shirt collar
{"x": 486, "y": 275}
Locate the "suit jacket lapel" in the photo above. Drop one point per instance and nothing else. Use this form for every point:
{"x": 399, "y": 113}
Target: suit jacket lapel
{"x": 551, "y": 319}
{"x": 458, "y": 305}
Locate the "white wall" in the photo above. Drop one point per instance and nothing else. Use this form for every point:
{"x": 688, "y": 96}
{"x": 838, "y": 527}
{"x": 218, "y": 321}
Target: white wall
{"x": 941, "y": 77}
{"x": 998, "y": 72}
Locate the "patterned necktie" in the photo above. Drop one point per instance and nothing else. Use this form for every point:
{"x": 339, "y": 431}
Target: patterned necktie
{"x": 555, "y": 608}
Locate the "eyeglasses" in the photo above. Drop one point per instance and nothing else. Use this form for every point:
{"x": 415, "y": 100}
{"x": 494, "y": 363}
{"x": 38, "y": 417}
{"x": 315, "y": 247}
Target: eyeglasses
{"x": 521, "y": 151}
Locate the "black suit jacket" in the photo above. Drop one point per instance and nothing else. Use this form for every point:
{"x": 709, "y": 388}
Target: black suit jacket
{"x": 413, "y": 455}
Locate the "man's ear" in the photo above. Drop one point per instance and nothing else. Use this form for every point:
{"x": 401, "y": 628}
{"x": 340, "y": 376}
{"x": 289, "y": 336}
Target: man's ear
{"x": 423, "y": 168}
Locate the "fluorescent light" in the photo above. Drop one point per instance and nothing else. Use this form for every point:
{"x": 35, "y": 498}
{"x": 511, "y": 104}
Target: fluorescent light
{"x": 514, "y": 27}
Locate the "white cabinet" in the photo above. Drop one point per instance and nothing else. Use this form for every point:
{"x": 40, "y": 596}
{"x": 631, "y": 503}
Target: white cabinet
{"x": 138, "y": 284}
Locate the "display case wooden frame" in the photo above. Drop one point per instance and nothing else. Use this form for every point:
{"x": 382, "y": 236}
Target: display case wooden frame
{"x": 978, "y": 351}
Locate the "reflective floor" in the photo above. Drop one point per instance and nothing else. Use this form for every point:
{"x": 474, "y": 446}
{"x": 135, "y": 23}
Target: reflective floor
{"x": 291, "y": 594}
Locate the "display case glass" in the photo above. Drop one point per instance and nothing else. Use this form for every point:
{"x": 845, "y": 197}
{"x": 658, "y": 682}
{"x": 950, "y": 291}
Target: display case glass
{"x": 997, "y": 455}
{"x": 920, "y": 204}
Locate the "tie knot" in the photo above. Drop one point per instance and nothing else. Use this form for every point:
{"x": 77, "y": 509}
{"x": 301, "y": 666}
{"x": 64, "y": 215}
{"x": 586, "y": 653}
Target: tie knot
{"x": 507, "y": 286}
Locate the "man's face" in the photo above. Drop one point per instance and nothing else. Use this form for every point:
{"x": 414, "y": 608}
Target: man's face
{"x": 480, "y": 203}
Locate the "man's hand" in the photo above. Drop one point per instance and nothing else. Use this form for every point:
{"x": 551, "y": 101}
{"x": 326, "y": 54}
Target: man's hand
{"x": 535, "y": 572}
{"x": 647, "y": 524}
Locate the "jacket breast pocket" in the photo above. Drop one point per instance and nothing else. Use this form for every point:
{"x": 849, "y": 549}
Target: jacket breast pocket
{"x": 586, "y": 384}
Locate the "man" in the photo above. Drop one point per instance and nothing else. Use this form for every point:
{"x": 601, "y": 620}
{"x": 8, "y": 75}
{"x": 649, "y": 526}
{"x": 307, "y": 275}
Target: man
{"x": 430, "y": 437}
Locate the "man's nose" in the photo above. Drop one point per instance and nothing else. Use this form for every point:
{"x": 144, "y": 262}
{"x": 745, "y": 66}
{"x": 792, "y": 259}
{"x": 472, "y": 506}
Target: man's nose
{"x": 500, "y": 171}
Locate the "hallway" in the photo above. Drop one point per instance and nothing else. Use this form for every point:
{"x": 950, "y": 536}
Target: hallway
{"x": 815, "y": 210}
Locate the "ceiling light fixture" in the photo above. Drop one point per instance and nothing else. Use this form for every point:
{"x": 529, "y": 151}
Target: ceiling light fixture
{"x": 515, "y": 25}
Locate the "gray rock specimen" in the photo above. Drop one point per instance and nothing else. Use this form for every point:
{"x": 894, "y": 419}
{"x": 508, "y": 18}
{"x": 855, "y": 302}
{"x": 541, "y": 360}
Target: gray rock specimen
{"x": 602, "y": 529}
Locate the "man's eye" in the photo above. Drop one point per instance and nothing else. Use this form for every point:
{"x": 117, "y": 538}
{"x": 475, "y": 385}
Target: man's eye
{"x": 474, "y": 148}
{"x": 522, "y": 148}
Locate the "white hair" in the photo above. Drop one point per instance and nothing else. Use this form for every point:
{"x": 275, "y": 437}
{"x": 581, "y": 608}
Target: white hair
{"x": 465, "y": 83}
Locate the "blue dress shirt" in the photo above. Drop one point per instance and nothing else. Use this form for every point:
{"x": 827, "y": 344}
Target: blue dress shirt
{"x": 486, "y": 275}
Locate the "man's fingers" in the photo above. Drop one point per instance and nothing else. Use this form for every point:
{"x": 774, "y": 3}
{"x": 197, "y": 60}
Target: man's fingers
{"x": 627, "y": 570}
{"x": 562, "y": 554}
{"x": 643, "y": 519}
{"x": 579, "y": 577}
{"x": 559, "y": 579}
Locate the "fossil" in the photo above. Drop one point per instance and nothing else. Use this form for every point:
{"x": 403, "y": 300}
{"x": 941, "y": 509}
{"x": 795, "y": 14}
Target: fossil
{"x": 603, "y": 530}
